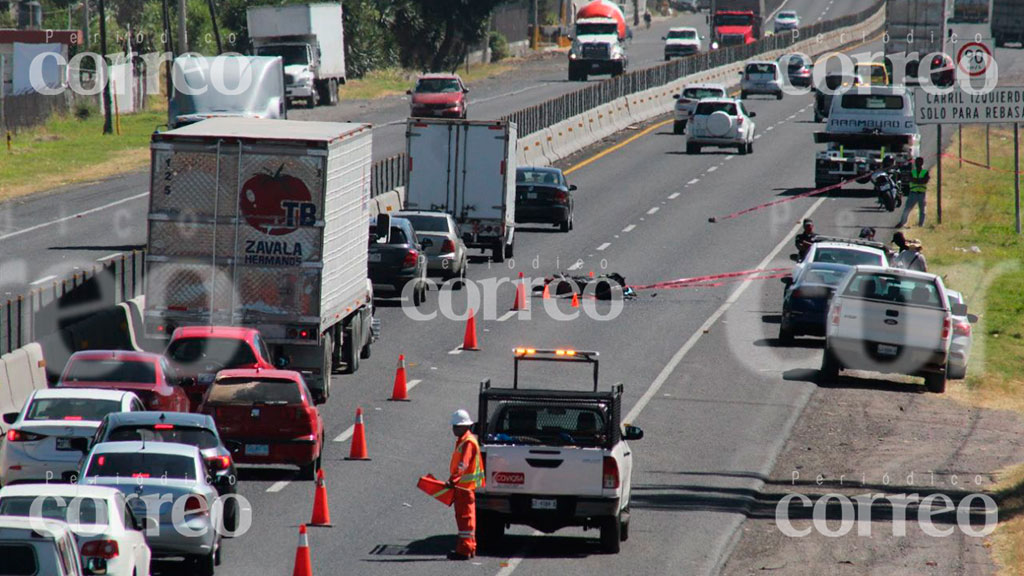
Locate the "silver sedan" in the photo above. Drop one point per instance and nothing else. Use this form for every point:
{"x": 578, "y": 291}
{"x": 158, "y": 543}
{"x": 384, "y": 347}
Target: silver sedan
{"x": 446, "y": 253}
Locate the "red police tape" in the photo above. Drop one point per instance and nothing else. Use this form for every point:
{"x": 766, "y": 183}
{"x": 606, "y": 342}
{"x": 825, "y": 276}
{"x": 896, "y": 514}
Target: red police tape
{"x": 716, "y": 279}
{"x": 815, "y": 192}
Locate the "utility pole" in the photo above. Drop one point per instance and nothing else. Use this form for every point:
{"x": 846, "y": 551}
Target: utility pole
{"x": 1016, "y": 173}
{"x": 108, "y": 126}
{"x": 85, "y": 24}
{"x": 535, "y": 36}
{"x": 216, "y": 29}
{"x": 182, "y": 33}
{"x": 168, "y": 66}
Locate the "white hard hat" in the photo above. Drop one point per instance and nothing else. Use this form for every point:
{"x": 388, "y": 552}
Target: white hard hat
{"x": 461, "y": 418}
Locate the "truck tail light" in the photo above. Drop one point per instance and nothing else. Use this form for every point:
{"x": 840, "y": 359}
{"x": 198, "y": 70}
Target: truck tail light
{"x": 837, "y": 310}
{"x": 105, "y": 549}
{"x": 947, "y": 327}
{"x": 610, "y": 473}
{"x": 962, "y": 328}
{"x": 448, "y": 246}
{"x": 19, "y": 436}
{"x": 410, "y": 258}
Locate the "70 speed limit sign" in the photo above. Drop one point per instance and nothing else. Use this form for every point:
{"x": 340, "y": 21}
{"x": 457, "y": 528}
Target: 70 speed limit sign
{"x": 974, "y": 58}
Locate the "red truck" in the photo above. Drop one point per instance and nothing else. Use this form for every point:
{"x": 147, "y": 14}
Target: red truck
{"x": 736, "y": 22}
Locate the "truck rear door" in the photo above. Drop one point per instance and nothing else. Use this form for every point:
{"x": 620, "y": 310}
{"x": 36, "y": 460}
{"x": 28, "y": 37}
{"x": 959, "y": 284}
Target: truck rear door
{"x": 894, "y": 310}
{"x": 483, "y": 151}
{"x": 432, "y": 151}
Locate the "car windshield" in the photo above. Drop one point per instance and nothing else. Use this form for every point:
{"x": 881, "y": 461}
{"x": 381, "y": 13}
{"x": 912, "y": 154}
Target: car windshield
{"x": 847, "y": 256}
{"x": 291, "y": 55}
{"x": 872, "y": 102}
{"x": 826, "y": 276}
{"x": 227, "y": 352}
{"x": 142, "y": 465}
{"x": 682, "y": 35}
{"x": 760, "y": 69}
{"x": 550, "y": 425}
{"x": 397, "y": 235}
{"x": 87, "y": 409}
{"x": 199, "y": 437}
{"x": 893, "y": 288}
{"x": 246, "y": 391}
{"x": 110, "y": 370}
{"x": 699, "y": 93}
{"x": 423, "y": 223}
{"x": 708, "y": 108}
{"x": 542, "y": 177}
{"x": 70, "y": 509}
{"x": 435, "y": 85}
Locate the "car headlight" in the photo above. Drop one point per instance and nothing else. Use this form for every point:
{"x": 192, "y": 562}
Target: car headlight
{"x": 573, "y": 56}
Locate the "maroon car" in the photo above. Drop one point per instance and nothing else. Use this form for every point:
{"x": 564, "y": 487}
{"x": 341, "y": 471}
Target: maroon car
{"x": 150, "y": 376}
{"x": 438, "y": 95}
{"x": 199, "y": 352}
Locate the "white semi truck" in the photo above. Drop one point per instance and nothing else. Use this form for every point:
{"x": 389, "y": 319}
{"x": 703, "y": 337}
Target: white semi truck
{"x": 466, "y": 168}
{"x": 915, "y": 30}
{"x": 263, "y": 224}
{"x": 311, "y": 40}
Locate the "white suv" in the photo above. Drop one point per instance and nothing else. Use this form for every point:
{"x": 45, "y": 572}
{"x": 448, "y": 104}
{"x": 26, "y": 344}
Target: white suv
{"x": 761, "y": 77}
{"x": 721, "y": 122}
{"x": 686, "y": 102}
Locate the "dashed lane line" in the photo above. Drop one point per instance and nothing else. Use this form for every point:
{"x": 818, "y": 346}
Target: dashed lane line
{"x": 653, "y": 210}
{"x": 629, "y": 228}
{"x": 602, "y": 247}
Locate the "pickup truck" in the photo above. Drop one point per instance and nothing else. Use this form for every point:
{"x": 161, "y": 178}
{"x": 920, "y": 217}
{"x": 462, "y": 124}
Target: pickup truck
{"x": 554, "y": 458}
{"x": 889, "y": 320}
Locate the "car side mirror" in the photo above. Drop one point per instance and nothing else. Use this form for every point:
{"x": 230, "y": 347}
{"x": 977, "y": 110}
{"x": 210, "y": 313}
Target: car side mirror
{"x": 282, "y": 362}
{"x": 631, "y": 432}
{"x": 10, "y": 417}
{"x": 139, "y": 524}
{"x": 972, "y": 318}
{"x": 318, "y": 400}
{"x": 741, "y": 73}
{"x": 675, "y": 96}
{"x": 788, "y": 280}
{"x": 80, "y": 444}
{"x": 408, "y": 92}
{"x": 794, "y": 257}
{"x": 752, "y": 114}
{"x": 572, "y": 187}
{"x": 959, "y": 309}
{"x": 426, "y": 243}
{"x": 465, "y": 90}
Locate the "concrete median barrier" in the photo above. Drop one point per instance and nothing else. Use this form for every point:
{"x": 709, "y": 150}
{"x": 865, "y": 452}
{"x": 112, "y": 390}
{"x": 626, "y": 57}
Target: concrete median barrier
{"x": 23, "y": 371}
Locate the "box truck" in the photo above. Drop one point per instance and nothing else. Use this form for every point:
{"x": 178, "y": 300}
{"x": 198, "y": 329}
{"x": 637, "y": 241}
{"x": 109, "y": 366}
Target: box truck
{"x": 466, "y": 168}
{"x": 264, "y": 224}
{"x": 1007, "y": 21}
{"x": 311, "y": 40}
{"x": 226, "y": 86}
{"x": 915, "y": 29}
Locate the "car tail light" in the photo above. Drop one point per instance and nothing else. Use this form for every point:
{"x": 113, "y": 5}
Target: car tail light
{"x": 962, "y": 329}
{"x": 218, "y": 463}
{"x": 195, "y": 504}
{"x": 410, "y": 258}
{"x": 105, "y": 549}
{"x": 163, "y": 427}
{"x": 836, "y": 312}
{"x": 610, "y": 473}
{"x": 947, "y": 327}
{"x": 561, "y": 196}
{"x": 739, "y": 120}
{"x": 448, "y": 246}
{"x": 19, "y": 436}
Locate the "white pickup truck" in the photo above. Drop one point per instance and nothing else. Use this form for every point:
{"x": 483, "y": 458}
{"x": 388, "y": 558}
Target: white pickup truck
{"x": 889, "y": 320}
{"x": 554, "y": 458}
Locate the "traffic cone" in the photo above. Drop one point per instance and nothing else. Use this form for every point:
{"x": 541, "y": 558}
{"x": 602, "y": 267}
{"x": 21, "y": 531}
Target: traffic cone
{"x": 469, "y": 340}
{"x": 575, "y": 300}
{"x": 400, "y": 393}
{"x": 303, "y": 563}
{"x": 591, "y": 273}
{"x": 321, "y": 510}
{"x": 520, "y": 303}
{"x": 358, "y": 451}
{"x": 547, "y": 293}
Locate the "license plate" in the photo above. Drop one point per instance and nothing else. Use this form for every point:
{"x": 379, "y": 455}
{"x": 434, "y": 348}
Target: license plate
{"x": 544, "y": 504}
{"x": 531, "y": 195}
{"x": 64, "y": 444}
{"x": 374, "y": 257}
{"x": 887, "y": 350}
{"x": 257, "y": 450}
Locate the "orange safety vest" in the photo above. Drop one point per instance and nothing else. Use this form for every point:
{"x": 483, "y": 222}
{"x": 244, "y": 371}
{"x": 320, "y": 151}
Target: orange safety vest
{"x": 467, "y": 468}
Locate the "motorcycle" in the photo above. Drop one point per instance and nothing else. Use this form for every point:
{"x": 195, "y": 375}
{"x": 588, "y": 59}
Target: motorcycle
{"x": 888, "y": 188}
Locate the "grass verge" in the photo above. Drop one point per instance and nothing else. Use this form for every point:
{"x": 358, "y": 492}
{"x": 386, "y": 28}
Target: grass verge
{"x": 68, "y": 150}
{"x": 977, "y": 251}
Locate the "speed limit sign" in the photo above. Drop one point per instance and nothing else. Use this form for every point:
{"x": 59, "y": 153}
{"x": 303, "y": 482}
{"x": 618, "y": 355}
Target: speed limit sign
{"x": 974, "y": 58}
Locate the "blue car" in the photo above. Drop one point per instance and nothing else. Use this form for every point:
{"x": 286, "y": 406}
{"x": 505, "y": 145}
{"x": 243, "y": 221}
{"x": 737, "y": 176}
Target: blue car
{"x": 806, "y": 301}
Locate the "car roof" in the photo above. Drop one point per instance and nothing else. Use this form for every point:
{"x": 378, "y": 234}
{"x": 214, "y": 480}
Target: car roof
{"x": 682, "y": 29}
{"x": 259, "y": 373}
{"x": 125, "y": 355}
{"x": 428, "y": 213}
{"x": 88, "y": 393}
{"x": 717, "y": 100}
{"x": 895, "y": 272}
{"x": 233, "y": 332}
{"x": 705, "y": 85}
{"x": 176, "y": 418}
{"x": 439, "y": 75}
{"x": 146, "y": 448}
{"x": 828, "y": 266}
{"x": 772, "y": 62}
{"x": 538, "y": 168}
{"x": 58, "y": 489}
{"x": 52, "y": 528}
{"x": 845, "y": 246}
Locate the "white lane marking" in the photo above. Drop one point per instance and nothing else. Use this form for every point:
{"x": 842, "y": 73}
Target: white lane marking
{"x": 757, "y": 137}
{"x": 712, "y": 168}
{"x": 695, "y": 337}
{"x": 769, "y": 129}
{"x": 455, "y": 351}
{"x": 412, "y": 384}
{"x": 42, "y": 280}
{"x": 673, "y": 196}
{"x": 109, "y": 257}
{"x": 507, "y": 315}
{"x": 629, "y": 228}
{"x": 730, "y": 157}
{"x": 694, "y": 181}
{"x": 73, "y": 216}
{"x": 278, "y": 486}
{"x": 346, "y": 434}
{"x": 603, "y": 246}
{"x": 576, "y": 266}
{"x": 653, "y": 210}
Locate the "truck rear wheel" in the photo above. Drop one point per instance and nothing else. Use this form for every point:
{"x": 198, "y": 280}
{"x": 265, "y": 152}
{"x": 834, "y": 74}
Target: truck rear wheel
{"x": 351, "y": 346}
{"x": 325, "y": 386}
{"x": 498, "y": 252}
{"x": 936, "y": 383}
{"x": 490, "y": 529}
{"x": 829, "y": 368}
{"x": 611, "y": 535}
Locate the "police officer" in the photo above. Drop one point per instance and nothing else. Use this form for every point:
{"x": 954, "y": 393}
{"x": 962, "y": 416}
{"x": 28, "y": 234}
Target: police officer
{"x": 805, "y": 239}
{"x": 918, "y": 186}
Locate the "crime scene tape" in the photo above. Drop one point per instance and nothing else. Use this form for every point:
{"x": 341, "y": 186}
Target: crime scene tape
{"x": 716, "y": 279}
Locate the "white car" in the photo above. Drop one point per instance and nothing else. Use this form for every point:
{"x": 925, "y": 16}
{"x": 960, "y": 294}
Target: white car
{"x": 960, "y": 346}
{"x": 686, "y": 102}
{"x": 110, "y": 537}
{"x": 786, "y": 20}
{"x": 761, "y": 77}
{"x": 721, "y": 122}
{"x": 38, "y": 547}
{"x": 151, "y": 472}
{"x": 850, "y": 253}
{"x": 46, "y": 439}
{"x": 682, "y": 41}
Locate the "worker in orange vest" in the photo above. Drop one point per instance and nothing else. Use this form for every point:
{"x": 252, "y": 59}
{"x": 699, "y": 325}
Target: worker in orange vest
{"x": 467, "y": 474}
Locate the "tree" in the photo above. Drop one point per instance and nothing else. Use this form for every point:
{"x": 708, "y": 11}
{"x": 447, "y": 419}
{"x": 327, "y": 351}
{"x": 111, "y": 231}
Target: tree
{"x": 437, "y": 34}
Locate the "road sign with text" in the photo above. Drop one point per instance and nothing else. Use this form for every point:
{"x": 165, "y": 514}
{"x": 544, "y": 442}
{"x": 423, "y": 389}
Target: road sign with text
{"x": 1002, "y": 105}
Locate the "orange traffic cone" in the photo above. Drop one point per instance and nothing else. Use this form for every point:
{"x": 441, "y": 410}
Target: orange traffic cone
{"x": 358, "y": 451}
{"x": 321, "y": 510}
{"x": 547, "y": 293}
{"x": 520, "y": 303}
{"x": 575, "y": 300}
{"x": 591, "y": 273}
{"x": 400, "y": 393}
{"x": 469, "y": 340}
{"x": 303, "y": 563}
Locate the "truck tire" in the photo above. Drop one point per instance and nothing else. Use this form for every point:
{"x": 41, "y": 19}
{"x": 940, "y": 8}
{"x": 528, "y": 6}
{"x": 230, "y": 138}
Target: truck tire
{"x": 490, "y": 529}
{"x": 351, "y": 350}
{"x": 829, "y": 373}
{"x": 936, "y": 383}
{"x": 679, "y": 126}
{"x": 332, "y": 87}
{"x": 366, "y": 352}
{"x": 325, "y": 386}
{"x": 742, "y": 149}
{"x": 498, "y": 252}
{"x": 955, "y": 372}
{"x": 692, "y": 148}
{"x": 785, "y": 333}
{"x": 624, "y": 525}
{"x": 314, "y": 98}
{"x": 510, "y": 249}
{"x": 611, "y": 535}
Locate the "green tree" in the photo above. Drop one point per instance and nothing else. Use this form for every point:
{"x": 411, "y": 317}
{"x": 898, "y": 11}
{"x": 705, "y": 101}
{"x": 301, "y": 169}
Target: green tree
{"x": 436, "y": 34}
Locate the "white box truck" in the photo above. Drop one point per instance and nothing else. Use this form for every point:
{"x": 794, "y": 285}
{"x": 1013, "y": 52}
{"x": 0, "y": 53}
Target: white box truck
{"x": 466, "y": 168}
{"x": 205, "y": 97}
{"x": 914, "y": 30}
{"x": 311, "y": 40}
{"x": 263, "y": 224}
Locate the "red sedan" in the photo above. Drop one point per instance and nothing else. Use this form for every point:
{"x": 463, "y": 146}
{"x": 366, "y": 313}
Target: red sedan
{"x": 199, "y": 352}
{"x": 267, "y": 417}
{"x": 148, "y": 375}
{"x": 440, "y": 95}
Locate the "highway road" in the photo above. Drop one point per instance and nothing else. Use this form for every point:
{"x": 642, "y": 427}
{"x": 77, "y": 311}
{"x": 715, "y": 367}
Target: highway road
{"x": 49, "y": 236}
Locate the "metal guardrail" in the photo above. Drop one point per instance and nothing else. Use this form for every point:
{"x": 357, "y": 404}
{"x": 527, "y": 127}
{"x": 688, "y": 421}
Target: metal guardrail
{"x": 388, "y": 174}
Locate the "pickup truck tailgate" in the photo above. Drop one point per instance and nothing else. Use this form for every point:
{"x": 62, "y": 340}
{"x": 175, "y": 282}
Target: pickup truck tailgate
{"x": 544, "y": 470}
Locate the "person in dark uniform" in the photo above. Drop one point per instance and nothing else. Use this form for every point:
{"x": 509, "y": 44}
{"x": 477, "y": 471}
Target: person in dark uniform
{"x": 804, "y": 240}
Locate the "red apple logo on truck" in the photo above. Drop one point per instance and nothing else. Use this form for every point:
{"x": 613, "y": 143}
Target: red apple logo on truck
{"x": 277, "y": 204}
